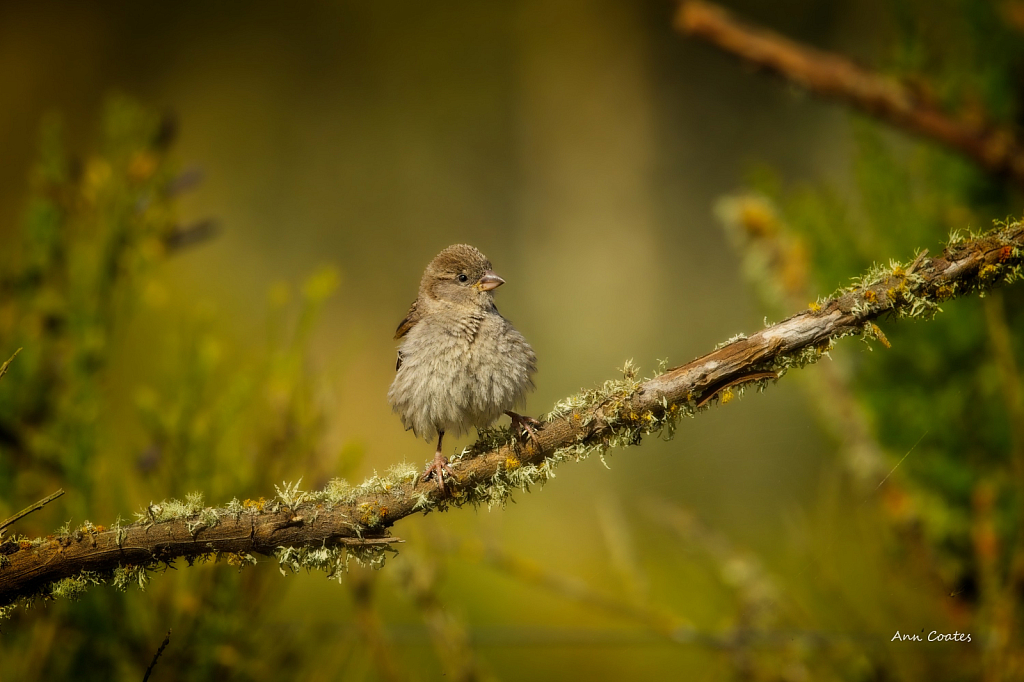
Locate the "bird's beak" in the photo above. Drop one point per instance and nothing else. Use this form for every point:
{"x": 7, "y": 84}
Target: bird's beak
{"x": 489, "y": 281}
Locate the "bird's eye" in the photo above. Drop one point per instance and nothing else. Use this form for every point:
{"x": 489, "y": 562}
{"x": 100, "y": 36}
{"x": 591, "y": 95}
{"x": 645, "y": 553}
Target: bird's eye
{"x": 463, "y": 278}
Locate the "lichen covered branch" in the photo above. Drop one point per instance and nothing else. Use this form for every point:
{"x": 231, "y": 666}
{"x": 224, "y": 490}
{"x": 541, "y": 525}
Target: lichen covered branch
{"x": 324, "y": 529}
{"x": 831, "y": 76}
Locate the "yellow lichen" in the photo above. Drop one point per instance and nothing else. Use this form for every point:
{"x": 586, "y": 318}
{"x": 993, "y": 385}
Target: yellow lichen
{"x": 372, "y": 513}
{"x": 880, "y": 336}
{"x": 256, "y": 505}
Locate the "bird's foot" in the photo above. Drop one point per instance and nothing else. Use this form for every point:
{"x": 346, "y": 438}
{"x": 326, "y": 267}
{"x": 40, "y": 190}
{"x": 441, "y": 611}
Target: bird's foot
{"x": 524, "y": 426}
{"x": 438, "y": 467}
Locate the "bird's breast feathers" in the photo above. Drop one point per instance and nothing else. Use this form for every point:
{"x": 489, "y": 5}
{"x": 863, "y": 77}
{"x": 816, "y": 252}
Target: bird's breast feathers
{"x": 453, "y": 374}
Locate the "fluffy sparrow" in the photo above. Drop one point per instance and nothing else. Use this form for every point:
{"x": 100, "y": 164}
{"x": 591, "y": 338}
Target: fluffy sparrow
{"x": 461, "y": 363}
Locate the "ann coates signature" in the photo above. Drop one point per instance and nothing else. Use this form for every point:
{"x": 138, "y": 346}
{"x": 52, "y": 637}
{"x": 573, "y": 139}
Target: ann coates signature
{"x": 933, "y": 636}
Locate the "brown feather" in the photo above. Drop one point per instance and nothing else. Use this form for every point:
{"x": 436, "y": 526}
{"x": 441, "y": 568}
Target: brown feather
{"x": 411, "y": 318}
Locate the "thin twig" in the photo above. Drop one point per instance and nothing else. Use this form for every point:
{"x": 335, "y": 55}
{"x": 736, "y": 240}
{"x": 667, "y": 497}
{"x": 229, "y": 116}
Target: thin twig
{"x": 149, "y": 670}
{"x": 28, "y": 510}
{"x": 3, "y": 368}
{"x": 996, "y": 150}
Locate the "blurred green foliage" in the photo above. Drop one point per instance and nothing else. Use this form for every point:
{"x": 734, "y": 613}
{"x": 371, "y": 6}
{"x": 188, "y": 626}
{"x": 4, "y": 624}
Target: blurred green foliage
{"x": 90, "y": 233}
{"x": 93, "y": 233}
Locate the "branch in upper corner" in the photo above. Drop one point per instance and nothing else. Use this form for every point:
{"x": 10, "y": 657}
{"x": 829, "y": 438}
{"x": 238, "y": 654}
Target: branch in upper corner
{"x": 997, "y": 151}
{"x": 323, "y": 529}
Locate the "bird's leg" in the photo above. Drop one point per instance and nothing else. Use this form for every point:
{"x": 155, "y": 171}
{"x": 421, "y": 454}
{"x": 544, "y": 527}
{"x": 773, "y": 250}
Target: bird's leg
{"x": 439, "y": 466}
{"x": 523, "y": 425}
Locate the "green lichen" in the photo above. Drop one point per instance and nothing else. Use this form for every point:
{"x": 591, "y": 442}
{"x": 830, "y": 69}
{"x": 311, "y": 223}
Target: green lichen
{"x": 339, "y": 492}
{"x": 170, "y": 510}
{"x": 235, "y": 507}
{"x": 74, "y": 587}
{"x": 731, "y": 340}
{"x": 334, "y": 561}
{"x": 191, "y": 509}
{"x": 291, "y": 495}
{"x": 389, "y": 484}
{"x": 124, "y": 577}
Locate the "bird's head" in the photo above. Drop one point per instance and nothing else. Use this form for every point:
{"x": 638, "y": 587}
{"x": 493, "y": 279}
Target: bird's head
{"x": 460, "y": 275}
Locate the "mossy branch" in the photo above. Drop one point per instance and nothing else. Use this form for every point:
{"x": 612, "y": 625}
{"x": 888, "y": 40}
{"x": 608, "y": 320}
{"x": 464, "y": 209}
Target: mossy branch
{"x": 996, "y": 150}
{"x": 323, "y": 529}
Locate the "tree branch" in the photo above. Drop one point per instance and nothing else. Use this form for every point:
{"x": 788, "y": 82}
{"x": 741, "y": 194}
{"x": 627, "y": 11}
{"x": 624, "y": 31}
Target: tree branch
{"x": 323, "y": 529}
{"x": 831, "y": 76}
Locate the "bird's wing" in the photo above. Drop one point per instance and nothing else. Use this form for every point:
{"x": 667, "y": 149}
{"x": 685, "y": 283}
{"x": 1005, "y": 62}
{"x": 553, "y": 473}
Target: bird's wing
{"x": 411, "y": 318}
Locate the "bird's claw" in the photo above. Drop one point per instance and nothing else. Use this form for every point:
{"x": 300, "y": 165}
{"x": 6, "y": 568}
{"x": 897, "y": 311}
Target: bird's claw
{"x": 523, "y": 425}
{"x": 438, "y": 467}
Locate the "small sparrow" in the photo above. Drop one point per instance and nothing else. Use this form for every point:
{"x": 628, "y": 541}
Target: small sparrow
{"x": 461, "y": 363}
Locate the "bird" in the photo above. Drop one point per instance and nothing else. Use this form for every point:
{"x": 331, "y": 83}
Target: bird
{"x": 460, "y": 363}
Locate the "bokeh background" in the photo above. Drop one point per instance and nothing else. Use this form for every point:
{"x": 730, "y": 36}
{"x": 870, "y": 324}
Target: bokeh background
{"x": 644, "y": 196}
